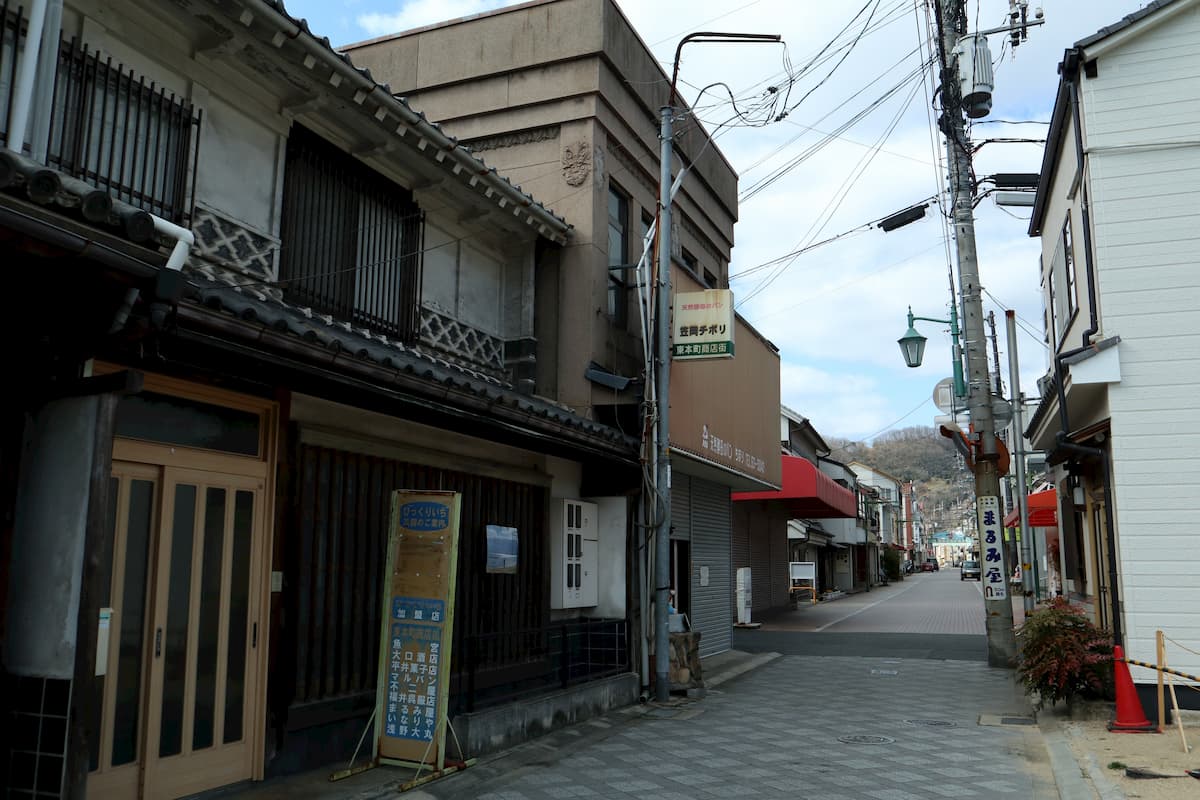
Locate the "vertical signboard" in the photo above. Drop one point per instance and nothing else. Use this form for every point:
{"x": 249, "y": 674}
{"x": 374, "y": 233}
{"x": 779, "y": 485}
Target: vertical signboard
{"x": 703, "y": 325}
{"x": 994, "y": 575}
{"x": 418, "y": 618}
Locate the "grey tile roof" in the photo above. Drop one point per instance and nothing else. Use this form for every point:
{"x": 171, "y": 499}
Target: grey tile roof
{"x": 251, "y": 304}
{"x": 1124, "y": 22}
{"x": 447, "y": 141}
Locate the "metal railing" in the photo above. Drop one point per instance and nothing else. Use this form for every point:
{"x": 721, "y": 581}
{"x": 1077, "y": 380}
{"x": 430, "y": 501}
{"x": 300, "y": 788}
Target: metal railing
{"x": 555, "y": 656}
{"x": 108, "y": 126}
{"x": 351, "y": 239}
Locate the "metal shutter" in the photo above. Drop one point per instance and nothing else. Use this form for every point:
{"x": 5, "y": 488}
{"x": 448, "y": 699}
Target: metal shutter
{"x": 681, "y": 507}
{"x": 780, "y": 577}
{"x": 711, "y": 541}
{"x": 760, "y": 562}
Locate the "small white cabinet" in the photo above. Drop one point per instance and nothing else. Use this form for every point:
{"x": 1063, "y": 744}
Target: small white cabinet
{"x": 574, "y": 554}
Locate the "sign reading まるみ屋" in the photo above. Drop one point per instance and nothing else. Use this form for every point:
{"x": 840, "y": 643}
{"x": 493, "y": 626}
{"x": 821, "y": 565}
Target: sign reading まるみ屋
{"x": 418, "y": 611}
{"x": 702, "y": 325}
{"x": 994, "y": 575}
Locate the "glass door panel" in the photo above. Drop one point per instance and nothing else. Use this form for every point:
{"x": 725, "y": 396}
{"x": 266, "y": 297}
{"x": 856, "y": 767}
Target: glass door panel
{"x": 179, "y": 682}
{"x": 118, "y": 703}
{"x": 203, "y": 672}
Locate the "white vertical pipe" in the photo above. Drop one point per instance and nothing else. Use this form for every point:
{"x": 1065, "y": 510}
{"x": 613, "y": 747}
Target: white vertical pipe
{"x": 25, "y": 77}
{"x": 47, "y": 66}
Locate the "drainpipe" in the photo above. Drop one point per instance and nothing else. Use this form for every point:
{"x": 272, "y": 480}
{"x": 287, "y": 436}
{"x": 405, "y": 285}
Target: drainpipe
{"x": 183, "y": 240}
{"x": 26, "y": 77}
{"x": 1071, "y": 75}
{"x": 47, "y": 66}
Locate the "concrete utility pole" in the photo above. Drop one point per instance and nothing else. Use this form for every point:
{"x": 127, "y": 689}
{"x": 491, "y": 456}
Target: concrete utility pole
{"x": 662, "y": 376}
{"x": 662, "y": 478}
{"x": 1002, "y": 643}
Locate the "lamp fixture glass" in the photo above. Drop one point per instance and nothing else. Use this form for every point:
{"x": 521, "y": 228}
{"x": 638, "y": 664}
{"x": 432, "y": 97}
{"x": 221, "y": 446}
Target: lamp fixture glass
{"x": 912, "y": 346}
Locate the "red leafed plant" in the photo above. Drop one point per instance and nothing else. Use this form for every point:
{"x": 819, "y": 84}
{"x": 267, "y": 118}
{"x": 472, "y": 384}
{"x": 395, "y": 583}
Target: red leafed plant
{"x": 1063, "y": 656}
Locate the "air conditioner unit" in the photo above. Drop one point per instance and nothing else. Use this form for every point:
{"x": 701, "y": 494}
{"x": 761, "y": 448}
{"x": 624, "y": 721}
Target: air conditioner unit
{"x": 574, "y": 554}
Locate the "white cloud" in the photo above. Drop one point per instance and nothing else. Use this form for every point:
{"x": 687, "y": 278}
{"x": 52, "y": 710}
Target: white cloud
{"x": 418, "y": 13}
{"x": 837, "y": 311}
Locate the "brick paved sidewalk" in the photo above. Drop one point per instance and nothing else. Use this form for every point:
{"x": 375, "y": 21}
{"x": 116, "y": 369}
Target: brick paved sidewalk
{"x": 912, "y": 726}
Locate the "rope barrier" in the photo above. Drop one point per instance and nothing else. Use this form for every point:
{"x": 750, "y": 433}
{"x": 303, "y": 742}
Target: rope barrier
{"x": 1160, "y": 669}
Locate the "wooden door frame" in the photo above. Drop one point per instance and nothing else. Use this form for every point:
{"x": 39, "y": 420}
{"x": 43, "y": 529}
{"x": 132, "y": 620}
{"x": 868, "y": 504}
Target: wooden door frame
{"x": 264, "y": 466}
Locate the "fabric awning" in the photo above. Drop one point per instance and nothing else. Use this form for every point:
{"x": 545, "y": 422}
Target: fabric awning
{"x": 1043, "y": 511}
{"x": 807, "y": 492}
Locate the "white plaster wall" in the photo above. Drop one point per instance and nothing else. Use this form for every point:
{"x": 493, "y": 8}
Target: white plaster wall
{"x": 480, "y": 289}
{"x": 613, "y": 511}
{"x": 439, "y": 275}
{"x": 238, "y": 164}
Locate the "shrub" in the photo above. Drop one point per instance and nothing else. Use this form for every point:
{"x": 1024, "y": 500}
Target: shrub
{"x": 891, "y": 564}
{"x": 1063, "y": 656}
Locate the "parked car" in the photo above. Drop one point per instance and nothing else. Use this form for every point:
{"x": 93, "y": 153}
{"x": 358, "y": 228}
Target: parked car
{"x": 930, "y": 565}
{"x": 969, "y": 569}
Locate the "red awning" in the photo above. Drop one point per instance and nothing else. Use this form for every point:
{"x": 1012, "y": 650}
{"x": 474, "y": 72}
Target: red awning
{"x": 808, "y": 493}
{"x": 1043, "y": 511}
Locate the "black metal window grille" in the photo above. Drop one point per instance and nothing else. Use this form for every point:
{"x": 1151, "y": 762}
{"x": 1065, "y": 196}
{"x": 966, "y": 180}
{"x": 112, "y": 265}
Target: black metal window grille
{"x": 553, "y": 656}
{"x": 110, "y": 127}
{"x": 351, "y": 239}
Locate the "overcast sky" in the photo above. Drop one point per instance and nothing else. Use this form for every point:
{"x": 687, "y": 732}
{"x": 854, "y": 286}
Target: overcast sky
{"x": 836, "y": 311}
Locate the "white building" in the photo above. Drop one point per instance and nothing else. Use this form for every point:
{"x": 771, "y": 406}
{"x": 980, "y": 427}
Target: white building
{"x": 1118, "y": 213}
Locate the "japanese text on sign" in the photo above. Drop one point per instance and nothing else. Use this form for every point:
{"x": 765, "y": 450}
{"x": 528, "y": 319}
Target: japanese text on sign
{"x": 995, "y": 577}
{"x": 417, "y": 609}
{"x": 414, "y": 660}
{"x": 703, "y": 324}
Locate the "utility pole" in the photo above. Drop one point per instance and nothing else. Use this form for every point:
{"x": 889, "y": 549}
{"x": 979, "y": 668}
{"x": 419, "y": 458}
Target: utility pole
{"x": 662, "y": 365}
{"x": 1018, "y": 435}
{"x": 1001, "y": 640}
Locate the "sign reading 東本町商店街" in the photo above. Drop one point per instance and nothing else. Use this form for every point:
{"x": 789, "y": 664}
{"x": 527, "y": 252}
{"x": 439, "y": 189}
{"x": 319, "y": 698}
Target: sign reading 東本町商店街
{"x": 702, "y": 325}
{"x": 414, "y": 659}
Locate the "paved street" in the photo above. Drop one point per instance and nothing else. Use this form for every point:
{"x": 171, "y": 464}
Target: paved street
{"x": 877, "y": 696}
{"x": 927, "y": 615}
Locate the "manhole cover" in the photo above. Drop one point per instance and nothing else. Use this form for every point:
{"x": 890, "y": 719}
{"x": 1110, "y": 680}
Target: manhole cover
{"x": 861, "y": 739}
{"x": 933, "y": 723}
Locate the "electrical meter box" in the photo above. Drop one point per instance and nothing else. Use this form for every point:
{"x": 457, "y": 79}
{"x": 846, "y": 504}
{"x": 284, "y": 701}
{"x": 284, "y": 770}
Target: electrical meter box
{"x": 574, "y": 554}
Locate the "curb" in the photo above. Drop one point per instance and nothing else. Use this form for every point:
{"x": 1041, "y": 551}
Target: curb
{"x": 741, "y": 668}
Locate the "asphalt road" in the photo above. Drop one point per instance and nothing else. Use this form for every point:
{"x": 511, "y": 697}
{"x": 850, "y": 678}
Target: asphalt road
{"x": 926, "y": 616}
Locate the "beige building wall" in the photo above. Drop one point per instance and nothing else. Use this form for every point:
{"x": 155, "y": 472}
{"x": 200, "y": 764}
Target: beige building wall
{"x": 563, "y": 98}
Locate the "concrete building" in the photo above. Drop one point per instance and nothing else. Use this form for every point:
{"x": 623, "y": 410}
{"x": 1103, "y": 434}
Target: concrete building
{"x": 563, "y": 96}
{"x": 884, "y": 506}
{"x": 1118, "y": 215}
{"x": 775, "y": 528}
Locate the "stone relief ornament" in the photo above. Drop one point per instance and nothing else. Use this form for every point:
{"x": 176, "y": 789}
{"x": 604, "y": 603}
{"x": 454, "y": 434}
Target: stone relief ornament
{"x": 577, "y": 163}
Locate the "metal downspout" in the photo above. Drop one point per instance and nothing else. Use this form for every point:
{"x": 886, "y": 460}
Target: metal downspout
{"x": 184, "y": 239}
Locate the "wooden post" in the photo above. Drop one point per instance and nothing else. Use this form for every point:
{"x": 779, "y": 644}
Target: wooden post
{"x": 1178, "y": 719}
{"x": 1160, "y": 658}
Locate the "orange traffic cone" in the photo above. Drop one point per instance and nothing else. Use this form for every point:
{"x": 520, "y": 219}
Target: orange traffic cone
{"x": 1130, "y": 716}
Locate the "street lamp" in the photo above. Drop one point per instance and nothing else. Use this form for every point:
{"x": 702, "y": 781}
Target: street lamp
{"x": 912, "y": 346}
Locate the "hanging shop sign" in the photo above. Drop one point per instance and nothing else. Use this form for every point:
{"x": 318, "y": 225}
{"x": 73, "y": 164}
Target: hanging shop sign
{"x": 702, "y": 325}
{"x": 418, "y": 614}
{"x": 995, "y": 577}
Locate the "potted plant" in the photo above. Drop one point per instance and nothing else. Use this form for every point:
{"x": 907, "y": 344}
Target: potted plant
{"x": 1063, "y": 656}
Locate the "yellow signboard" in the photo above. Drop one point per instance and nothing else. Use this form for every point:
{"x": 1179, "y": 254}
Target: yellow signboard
{"x": 417, "y": 630}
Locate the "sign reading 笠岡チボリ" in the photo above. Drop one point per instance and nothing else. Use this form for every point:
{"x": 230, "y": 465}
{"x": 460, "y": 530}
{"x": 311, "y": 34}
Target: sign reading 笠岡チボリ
{"x": 702, "y": 325}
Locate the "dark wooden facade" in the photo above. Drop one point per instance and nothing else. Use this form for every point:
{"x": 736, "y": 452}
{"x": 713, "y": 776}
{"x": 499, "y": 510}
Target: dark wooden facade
{"x": 334, "y": 535}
